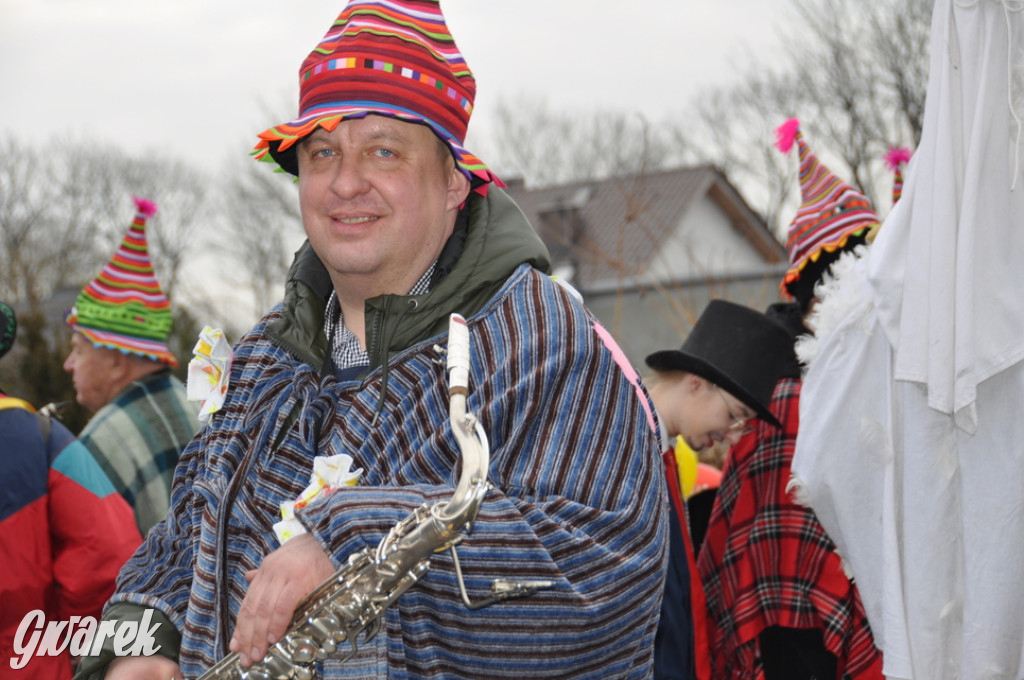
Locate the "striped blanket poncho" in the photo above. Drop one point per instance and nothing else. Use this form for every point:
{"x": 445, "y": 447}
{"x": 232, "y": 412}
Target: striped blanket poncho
{"x": 578, "y": 498}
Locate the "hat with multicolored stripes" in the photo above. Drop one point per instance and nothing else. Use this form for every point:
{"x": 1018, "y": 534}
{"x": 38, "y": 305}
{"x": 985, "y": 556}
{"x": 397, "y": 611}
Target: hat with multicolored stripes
{"x": 393, "y": 58}
{"x": 123, "y": 308}
{"x": 832, "y": 217}
{"x": 895, "y": 159}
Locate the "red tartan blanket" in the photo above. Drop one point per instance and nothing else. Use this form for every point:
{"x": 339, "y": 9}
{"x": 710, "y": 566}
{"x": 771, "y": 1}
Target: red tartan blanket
{"x": 767, "y": 561}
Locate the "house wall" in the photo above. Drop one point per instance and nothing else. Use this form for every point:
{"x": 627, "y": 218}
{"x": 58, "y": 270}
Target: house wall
{"x": 646, "y": 318}
{"x": 704, "y": 244}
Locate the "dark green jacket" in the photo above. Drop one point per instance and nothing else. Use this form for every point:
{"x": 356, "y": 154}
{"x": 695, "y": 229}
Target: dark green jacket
{"x": 478, "y": 259}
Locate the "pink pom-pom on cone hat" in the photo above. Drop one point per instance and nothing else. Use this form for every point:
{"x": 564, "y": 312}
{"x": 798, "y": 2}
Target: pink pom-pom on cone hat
{"x": 895, "y": 160}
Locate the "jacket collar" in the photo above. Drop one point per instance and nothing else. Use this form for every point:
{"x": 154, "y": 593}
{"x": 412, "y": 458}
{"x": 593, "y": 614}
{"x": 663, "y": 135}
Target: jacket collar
{"x": 497, "y": 240}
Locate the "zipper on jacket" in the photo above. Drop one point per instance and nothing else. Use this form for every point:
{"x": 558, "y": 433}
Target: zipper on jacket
{"x": 410, "y": 304}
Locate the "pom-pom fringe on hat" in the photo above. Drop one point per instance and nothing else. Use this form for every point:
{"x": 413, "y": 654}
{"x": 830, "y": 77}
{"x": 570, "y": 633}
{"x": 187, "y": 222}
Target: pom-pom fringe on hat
{"x": 394, "y": 58}
{"x": 832, "y": 216}
{"x": 123, "y": 308}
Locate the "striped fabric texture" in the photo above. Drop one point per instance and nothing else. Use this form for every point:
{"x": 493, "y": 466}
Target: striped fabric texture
{"x": 831, "y": 212}
{"x": 392, "y": 57}
{"x": 124, "y": 308}
{"x": 137, "y": 439}
{"x": 578, "y": 499}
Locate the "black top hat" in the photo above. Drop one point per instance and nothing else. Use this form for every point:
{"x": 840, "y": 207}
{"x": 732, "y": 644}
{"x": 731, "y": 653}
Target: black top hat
{"x": 737, "y": 348}
{"x": 8, "y": 328}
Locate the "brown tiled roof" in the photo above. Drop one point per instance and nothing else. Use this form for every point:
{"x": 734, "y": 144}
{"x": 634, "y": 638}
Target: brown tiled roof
{"x": 613, "y": 229}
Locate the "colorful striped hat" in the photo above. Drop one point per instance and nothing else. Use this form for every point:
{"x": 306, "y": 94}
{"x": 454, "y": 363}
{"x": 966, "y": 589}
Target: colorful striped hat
{"x": 832, "y": 217}
{"x": 395, "y": 58}
{"x": 123, "y": 308}
{"x": 895, "y": 159}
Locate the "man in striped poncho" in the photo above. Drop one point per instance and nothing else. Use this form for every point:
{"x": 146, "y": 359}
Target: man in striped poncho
{"x": 402, "y": 232}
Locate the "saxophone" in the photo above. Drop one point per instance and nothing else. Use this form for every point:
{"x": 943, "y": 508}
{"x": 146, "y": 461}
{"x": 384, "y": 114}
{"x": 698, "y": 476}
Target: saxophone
{"x": 354, "y": 599}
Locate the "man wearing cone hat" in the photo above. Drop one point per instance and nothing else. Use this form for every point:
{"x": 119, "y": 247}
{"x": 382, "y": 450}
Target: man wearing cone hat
{"x": 121, "y": 370}
{"x": 405, "y": 226}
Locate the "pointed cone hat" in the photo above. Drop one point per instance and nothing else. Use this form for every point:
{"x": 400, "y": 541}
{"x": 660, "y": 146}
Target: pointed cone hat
{"x": 832, "y": 217}
{"x": 895, "y": 160}
{"x": 395, "y": 59}
{"x": 124, "y": 308}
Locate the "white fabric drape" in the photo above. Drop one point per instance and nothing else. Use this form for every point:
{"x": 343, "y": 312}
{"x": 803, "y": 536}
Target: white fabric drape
{"x": 911, "y": 444}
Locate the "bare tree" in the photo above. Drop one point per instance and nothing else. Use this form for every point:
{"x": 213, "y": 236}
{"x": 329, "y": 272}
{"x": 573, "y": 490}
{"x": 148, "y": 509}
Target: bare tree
{"x": 548, "y": 147}
{"x": 260, "y": 228}
{"x": 857, "y": 83}
{"x": 26, "y": 200}
{"x": 856, "y": 79}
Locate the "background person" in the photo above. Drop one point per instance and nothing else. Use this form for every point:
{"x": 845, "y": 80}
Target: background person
{"x": 64, "y": 531}
{"x": 712, "y": 389}
{"x": 779, "y": 604}
{"x": 121, "y": 370}
{"x": 405, "y": 227}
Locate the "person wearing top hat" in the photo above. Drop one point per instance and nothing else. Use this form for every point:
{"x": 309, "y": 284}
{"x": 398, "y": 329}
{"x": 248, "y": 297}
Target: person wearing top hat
{"x": 713, "y": 389}
{"x": 64, "y": 530}
{"x": 121, "y": 370}
{"x": 405, "y": 226}
{"x": 779, "y": 605}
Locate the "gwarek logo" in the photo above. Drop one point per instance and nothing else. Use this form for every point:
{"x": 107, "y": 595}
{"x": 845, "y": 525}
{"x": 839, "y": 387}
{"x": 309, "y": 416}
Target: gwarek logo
{"x": 81, "y": 636}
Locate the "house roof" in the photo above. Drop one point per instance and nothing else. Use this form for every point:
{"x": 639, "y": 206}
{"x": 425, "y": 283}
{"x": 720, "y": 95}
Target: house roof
{"x": 615, "y": 228}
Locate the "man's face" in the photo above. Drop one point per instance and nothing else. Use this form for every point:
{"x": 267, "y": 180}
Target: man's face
{"x": 378, "y": 201}
{"x": 91, "y": 371}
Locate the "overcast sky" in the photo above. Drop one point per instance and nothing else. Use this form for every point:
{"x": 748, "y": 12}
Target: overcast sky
{"x": 181, "y": 76}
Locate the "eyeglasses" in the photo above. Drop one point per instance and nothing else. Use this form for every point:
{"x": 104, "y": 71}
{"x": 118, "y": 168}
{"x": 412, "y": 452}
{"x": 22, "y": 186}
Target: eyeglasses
{"x": 739, "y": 423}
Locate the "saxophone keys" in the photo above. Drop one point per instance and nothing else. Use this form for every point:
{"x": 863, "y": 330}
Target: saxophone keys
{"x": 304, "y": 673}
{"x": 325, "y": 626}
{"x": 304, "y": 651}
{"x": 327, "y": 647}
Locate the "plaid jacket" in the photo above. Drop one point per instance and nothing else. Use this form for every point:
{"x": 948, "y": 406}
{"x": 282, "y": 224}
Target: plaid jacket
{"x": 137, "y": 439}
{"x": 766, "y": 561}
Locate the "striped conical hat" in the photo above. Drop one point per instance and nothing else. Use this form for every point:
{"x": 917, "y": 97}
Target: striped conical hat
{"x": 895, "y": 159}
{"x": 123, "y": 308}
{"x": 393, "y": 58}
{"x": 833, "y": 216}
